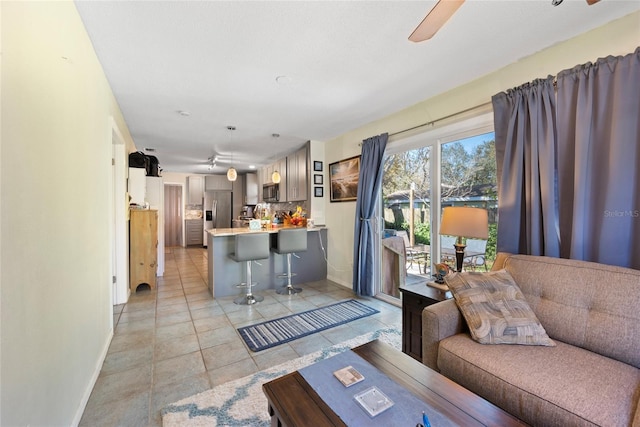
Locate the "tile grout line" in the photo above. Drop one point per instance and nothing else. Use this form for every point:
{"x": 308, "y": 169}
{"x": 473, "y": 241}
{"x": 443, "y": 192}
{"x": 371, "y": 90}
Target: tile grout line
{"x": 194, "y": 325}
{"x": 153, "y": 355}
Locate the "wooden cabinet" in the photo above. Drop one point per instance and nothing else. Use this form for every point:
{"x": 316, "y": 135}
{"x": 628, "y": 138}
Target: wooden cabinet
{"x": 297, "y": 181}
{"x": 193, "y": 229}
{"x": 217, "y": 182}
{"x": 143, "y": 248}
{"x": 195, "y": 190}
{"x": 414, "y": 299}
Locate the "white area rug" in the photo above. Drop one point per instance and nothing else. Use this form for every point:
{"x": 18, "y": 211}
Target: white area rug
{"x": 242, "y": 403}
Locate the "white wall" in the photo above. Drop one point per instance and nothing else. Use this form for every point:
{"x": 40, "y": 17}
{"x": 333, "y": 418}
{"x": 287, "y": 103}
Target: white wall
{"x": 316, "y": 204}
{"x": 56, "y": 223}
{"x": 617, "y": 38}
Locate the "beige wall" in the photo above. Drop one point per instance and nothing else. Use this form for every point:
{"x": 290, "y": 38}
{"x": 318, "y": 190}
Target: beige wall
{"x": 56, "y": 213}
{"x": 617, "y": 38}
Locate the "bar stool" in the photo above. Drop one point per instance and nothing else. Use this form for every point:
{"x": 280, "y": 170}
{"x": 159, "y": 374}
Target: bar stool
{"x": 290, "y": 240}
{"x": 248, "y": 248}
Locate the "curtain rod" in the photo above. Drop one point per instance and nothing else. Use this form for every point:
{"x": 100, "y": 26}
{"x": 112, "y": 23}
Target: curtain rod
{"x": 432, "y": 122}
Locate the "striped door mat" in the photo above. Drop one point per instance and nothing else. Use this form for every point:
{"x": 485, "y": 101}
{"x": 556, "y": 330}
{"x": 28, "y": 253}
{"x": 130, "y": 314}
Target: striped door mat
{"x": 279, "y": 331}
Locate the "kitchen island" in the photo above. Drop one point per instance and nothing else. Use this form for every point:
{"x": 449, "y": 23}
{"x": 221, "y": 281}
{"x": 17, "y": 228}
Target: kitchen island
{"x": 225, "y": 273}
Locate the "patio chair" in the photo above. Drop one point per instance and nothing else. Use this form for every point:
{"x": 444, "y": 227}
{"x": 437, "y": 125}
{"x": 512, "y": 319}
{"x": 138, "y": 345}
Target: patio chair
{"x": 413, "y": 254}
{"x": 479, "y": 247}
{"x": 447, "y": 252}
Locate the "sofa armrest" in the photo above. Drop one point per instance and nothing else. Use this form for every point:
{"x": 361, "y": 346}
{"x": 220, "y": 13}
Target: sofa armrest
{"x": 439, "y": 321}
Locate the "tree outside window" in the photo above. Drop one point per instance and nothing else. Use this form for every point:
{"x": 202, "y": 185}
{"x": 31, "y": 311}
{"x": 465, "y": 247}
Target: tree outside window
{"x": 468, "y": 177}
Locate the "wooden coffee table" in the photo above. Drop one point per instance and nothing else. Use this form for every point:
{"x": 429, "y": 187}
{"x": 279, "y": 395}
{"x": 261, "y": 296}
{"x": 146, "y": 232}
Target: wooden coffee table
{"x": 292, "y": 401}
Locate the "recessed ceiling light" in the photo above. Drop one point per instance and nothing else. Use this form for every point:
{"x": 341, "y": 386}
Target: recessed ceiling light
{"x": 184, "y": 113}
{"x": 283, "y": 80}
{"x": 252, "y": 166}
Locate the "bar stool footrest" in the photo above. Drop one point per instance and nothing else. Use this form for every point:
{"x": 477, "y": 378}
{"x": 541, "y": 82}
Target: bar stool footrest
{"x": 244, "y": 285}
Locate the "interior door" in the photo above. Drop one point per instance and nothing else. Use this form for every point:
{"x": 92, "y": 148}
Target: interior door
{"x": 173, "y": 215}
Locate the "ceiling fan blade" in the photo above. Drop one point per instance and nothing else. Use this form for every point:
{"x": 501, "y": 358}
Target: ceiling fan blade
{"x": 435, "y": 19}
{"x": 590, "y": 2}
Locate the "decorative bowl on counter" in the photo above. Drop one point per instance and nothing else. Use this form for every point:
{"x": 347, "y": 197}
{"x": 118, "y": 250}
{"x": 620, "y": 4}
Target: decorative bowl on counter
{"x": 298, "y": 221}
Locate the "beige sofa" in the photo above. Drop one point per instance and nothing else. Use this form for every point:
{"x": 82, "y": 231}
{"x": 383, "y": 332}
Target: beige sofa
{"x": 591, "y": 377}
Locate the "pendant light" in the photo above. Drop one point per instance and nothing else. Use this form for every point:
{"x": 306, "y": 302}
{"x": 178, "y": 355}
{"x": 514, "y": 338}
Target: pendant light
{"x": 232, "y": 174}
{"x": 275, "y": 176}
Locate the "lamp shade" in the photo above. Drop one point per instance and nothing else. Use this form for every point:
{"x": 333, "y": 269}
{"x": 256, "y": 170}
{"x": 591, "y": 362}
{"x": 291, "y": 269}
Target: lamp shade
{"x": 464, "y": 221}
{"x": 275, "y": 177}
{"x": 232, "y": 175}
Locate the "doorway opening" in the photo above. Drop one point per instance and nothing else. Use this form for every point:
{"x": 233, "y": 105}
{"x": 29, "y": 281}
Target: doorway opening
{"x": 173, "y": 215}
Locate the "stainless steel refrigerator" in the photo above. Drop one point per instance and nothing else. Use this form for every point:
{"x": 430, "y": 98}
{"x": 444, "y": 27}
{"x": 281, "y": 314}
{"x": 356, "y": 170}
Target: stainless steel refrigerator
{"x": 217, "y": 211}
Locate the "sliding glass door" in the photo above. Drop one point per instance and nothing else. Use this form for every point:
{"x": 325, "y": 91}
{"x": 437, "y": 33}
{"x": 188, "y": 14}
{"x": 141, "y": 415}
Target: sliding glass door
{"x": 454, "y": 167}
{"x": 406, "y": 207}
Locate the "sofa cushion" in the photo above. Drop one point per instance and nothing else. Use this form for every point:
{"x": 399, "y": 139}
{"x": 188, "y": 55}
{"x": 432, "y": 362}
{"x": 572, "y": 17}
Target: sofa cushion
{"x": 495, "y": 309}
{"x": 590, "y": 305}
{"x": 545, "y": 386}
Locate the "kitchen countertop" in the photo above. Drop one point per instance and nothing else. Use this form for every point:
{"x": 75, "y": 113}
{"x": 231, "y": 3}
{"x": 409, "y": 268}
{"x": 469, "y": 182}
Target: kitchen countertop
{"x": 219, "y": 232}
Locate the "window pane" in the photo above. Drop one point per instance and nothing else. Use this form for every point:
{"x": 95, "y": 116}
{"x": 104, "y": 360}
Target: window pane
{"x": 468, "y": 178}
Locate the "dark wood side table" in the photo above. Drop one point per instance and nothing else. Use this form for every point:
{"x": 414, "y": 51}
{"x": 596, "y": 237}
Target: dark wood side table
{"x": 414, "y": 299}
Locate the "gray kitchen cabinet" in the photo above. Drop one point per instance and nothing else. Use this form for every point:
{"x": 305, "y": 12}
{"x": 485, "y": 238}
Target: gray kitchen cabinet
{"x": 217, "y": 182}
{"x": 193, "y": 230}
{"x": 297, "y": 171}
{"x": 195, "y": 190}
{"x": 251, "y": 189}
{"x": 238, "y": 197}
{"x": 281, "y": 167}
{"x": 267, "y": 171}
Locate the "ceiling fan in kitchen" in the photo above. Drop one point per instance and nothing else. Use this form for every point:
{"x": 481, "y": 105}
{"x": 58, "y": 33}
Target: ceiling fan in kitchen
{"x": 440, "y": 14}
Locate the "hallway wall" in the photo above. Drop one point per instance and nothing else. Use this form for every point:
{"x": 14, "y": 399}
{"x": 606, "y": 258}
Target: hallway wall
{"x": 56, "y": 213}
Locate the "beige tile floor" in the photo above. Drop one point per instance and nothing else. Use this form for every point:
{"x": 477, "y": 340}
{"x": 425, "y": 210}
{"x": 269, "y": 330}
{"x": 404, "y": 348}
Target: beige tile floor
{"x": 177, "y": 340}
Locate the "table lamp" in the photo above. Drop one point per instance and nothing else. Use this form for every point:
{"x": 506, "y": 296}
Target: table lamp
{"x": 464, "y": 221}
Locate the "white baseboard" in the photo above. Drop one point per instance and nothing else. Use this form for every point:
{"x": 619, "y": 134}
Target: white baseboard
{"x": 92, "y": 383}
{"x": 339, "y": 281}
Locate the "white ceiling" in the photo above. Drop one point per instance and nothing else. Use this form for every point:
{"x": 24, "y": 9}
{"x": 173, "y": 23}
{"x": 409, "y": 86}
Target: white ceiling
{"x": 346, "y": 63}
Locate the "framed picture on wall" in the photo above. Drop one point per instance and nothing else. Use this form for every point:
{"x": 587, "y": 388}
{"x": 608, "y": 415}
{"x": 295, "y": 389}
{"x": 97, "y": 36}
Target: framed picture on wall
{"x": 317, "y": 166}
{"x": 317, "y": 179}
{"x": 343, "y": 179}
{"x": 318, "y": 191}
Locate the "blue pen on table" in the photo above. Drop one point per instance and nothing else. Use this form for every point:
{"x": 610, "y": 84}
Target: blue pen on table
{"x": 425, "y": 420}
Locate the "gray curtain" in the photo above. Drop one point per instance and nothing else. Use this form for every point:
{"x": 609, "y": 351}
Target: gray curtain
{"x": 369, "y": 183}
{"x": 525, "y": 135}
{"x": 599, "y": 161}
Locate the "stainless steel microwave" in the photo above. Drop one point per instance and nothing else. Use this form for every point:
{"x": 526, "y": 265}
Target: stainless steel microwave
{"x": 271, "y": 192}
